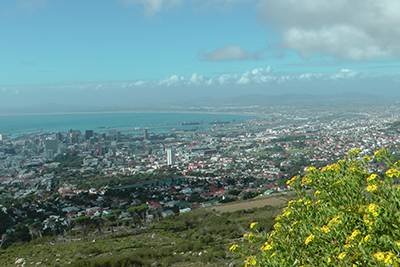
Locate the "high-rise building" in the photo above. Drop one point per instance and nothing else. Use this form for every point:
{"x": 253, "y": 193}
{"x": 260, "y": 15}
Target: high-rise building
{"x": 99, "y": 149}
{"x": 170, "y": 156}
{"x": 51, "y": 145}
{"x": 145, "y": 134}
{"x": 88, "y": 134}
{"x": 59, "y": 136}
{"x": 3, "y": 137}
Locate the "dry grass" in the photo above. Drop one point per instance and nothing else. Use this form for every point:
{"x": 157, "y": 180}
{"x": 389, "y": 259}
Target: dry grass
{"x": 271, "y": 201}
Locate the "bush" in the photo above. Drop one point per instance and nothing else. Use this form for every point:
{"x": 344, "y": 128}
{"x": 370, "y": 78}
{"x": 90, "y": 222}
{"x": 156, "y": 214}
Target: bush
{"x": 353, "y": 219}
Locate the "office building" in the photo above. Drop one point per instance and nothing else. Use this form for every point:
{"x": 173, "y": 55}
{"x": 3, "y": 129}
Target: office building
{"x": 51, "y": 145}
{"x": 170, "y": 156}
{"x": 3, "y": 137}
{"x": 145, "y": 134}
{"x": 88, "y": 134}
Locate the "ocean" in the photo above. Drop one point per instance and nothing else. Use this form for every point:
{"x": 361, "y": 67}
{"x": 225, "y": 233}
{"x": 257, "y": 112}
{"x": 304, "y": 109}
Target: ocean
{"x": 15, "y": 125}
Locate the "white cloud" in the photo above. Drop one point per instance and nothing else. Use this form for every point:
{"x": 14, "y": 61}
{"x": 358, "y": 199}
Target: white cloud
{"x": 226, "y": 53}
{"x": 346, "y": 73}
{"x": 348, "y": 29}
{"x": 152, "y": 7}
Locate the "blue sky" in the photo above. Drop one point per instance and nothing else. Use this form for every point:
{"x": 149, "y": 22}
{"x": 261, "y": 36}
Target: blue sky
{"x": 51, "y": 49}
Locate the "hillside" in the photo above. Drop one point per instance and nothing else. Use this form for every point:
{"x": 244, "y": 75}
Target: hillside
{"x": 201, "y": 237}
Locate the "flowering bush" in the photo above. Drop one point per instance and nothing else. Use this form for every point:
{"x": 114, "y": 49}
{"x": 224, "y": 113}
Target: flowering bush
{"x": 352, "y": 219}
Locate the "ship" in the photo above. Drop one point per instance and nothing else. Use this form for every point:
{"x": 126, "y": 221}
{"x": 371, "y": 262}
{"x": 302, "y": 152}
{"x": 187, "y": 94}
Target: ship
{"x": 190, "y": 123}
{"x": 217, "y": 121}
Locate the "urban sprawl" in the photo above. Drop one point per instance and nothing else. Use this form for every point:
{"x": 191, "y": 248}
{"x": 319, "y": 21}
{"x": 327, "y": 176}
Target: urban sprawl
{"x": 55, "y": 178}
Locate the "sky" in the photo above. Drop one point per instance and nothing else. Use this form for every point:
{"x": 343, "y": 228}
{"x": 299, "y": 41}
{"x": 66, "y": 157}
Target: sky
{"x": 136, "y": 52}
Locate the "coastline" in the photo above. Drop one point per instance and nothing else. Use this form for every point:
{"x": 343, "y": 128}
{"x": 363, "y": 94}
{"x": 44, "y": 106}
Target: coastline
{"x": 123, "y": 120}
{"x": 124, "y": 112}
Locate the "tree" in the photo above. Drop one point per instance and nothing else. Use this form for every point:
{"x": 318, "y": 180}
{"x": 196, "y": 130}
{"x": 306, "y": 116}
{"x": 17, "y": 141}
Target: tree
{"x": 99, "y": 222}
{"x": 139, "y": 213}
{"x": 117, "y": 213}
{"x": 352, "y": 219}
{"x": 36, "y": 229}
{"x": 85, "y": 223}
{"x": 111, "y": 218}
{"x": 4, "y": 237}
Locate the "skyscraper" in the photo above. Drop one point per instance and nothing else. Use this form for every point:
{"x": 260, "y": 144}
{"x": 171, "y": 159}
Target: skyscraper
{"x": 170, "y": 156}
{"x": 88, "y": 134}
{"x": 145, "y": 136}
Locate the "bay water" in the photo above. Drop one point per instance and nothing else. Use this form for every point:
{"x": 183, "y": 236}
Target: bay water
{"x": 102, "y": 122}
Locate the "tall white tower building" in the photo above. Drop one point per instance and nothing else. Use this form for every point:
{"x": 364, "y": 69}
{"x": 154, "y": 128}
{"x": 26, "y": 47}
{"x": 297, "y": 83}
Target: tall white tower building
{"x": 170, "y": 156}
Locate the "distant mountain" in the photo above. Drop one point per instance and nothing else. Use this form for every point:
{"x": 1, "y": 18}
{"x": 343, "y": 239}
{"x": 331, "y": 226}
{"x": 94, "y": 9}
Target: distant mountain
{"x": 235, "y": 101}
{"x": 292, "y": 99}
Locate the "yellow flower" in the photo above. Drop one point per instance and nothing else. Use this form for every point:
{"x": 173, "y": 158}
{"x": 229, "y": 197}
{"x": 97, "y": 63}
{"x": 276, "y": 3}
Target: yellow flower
{"x": 355, "y": 234}
{"x": 234, "y": 248}
{"x": 367, "y": 237}
{"x": 338, "y": 182}
{"x": 373, "y": 208}
{"x": 379, "y": 255}
{"x": 273, "y": 254}
{"x": 334, "y": 167}
{"x": 306, "y": 180}
{"x": 311, "y": 169}
{"x": 317, "y": 193}
{"x": 392, "y": 172}
{"x": 253, "y": 224}
{"x": 291, "y": 181}
{"x": 266, "y": 246}
{"x": 379, "y": 152}
{"x": 251, "y": 261}
{"x": 342, "y": 255}
{"x": 329, "y": 260}
{"x": 367, "y": 158}
{"x": 309, "y": 239}
{"x": 325, "y": 229}
{"x": 372, "y": 177}
{"x": 372, "y": 188}
{"x": 335, "y": 220}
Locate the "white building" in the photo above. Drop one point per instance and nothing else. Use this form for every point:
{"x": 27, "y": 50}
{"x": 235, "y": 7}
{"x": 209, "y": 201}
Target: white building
{"x": 170, "y": 156}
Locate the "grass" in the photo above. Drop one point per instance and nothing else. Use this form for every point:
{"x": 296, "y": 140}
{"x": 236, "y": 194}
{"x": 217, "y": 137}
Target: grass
{"x": 201, "y": 237}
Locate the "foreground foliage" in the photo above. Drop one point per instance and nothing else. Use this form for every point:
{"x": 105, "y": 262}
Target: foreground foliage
{"x": 352, "y": 220}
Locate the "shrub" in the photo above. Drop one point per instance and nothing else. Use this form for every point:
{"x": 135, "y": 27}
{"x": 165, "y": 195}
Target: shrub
{"x": 352, "y": 219}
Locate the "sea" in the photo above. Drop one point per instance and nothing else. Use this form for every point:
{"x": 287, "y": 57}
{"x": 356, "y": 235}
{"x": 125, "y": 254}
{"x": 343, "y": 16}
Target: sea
{"x": 128, "y": 122}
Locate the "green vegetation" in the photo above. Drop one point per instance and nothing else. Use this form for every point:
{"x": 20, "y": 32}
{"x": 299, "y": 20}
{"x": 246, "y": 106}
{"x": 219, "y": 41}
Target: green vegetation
{"x": 352, "y": 219}
{"x": 197, "y": 238}
{"x": 71, "y": 160}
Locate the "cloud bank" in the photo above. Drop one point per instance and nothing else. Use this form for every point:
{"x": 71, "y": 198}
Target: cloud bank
{"x": 179, "y": 89}
{"x": 347, "y": 29}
